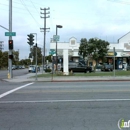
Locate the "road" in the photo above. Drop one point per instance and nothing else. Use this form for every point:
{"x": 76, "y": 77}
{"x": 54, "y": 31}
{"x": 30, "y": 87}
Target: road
{"x": 63, "y": 106}
{"x": 4, "y": 73}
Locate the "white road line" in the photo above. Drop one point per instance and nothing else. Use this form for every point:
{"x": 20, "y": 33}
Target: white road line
{"x": 58, "y": 101}
{"x": 13, "y": 90}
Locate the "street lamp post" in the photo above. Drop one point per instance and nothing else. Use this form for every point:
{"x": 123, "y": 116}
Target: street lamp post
{"x": 57, "y": 26}
{"x": 36, "y": 55}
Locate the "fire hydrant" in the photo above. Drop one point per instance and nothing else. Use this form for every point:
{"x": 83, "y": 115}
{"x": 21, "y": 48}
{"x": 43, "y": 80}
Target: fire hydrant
{"x": 8, "y": 76}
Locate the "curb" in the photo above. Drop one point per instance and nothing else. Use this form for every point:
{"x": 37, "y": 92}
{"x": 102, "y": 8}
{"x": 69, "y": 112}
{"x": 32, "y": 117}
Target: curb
{"x": 87, "y": 80}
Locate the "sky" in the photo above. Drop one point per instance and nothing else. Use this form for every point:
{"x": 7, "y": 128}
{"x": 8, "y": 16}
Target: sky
{"x": 105, "y": 19}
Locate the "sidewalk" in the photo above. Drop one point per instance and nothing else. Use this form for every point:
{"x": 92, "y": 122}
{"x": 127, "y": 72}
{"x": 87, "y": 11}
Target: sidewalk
{"x": 26, "y": 78}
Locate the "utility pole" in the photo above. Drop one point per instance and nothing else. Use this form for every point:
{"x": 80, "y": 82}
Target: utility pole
{"x": 114, "y": 60}
{"x": 10, "y": 75}
{"x": 45, "y": 13}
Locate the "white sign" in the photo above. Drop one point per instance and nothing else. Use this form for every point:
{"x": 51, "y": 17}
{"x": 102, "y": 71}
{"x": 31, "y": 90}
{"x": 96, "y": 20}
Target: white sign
{"x": 56, "y": 38}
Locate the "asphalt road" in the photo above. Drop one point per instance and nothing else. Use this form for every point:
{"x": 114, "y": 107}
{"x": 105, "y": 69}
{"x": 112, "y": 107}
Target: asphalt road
{"x": 4, "y": 73}
{"x": 63, "y": 106}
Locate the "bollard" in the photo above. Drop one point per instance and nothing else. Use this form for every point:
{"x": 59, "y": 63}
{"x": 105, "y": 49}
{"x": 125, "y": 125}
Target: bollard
{"x": 8, "y": 76}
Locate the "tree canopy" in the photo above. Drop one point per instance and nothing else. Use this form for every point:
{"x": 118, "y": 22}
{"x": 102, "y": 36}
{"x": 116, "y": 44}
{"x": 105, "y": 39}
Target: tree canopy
{"x": 4, "y": 58}
{"x": 33, "y": 55}
{"x": 95, "y": 48}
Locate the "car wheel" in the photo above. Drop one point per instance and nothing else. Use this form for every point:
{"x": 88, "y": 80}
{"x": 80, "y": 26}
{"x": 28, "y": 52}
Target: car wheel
{"x": 90, "y": 71}
{"x": 86, "y": 71}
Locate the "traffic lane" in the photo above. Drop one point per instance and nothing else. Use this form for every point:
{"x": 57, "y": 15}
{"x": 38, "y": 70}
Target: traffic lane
{"x": 7, "y": 86}
{"x": 71, "y": 91}
{"x": 63, "y": 116}
{"x": 3, "y": 74}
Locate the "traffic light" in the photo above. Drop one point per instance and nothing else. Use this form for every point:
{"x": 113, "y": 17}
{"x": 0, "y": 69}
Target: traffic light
{"x": 10, "y": 44}
{"x": 30, "y": 39}
{"x": 10, "y": 56}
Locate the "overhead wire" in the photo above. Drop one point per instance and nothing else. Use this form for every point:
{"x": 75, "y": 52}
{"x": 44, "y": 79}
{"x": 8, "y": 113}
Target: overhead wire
{"x": 29, "y": 12}
{"x": 23, "y": 9}
{"x": 120, "y": 2}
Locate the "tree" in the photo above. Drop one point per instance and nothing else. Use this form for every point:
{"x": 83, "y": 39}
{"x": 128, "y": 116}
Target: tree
{"x": 83, "y": 47}
{"x": 5, "y": 59}
{"x": 25, "y": 62}
{"x": 49, "y": 58}
{"x": 1, "y": 56}
{"x": 96, "y": 48}
{"x": 15, "y": 60}
{"x": 39, "y": 55}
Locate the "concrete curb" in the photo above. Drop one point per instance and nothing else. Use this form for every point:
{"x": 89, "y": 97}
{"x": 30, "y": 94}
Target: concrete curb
{"x": 26, "y": 78}
{"x": 65, "y": 80}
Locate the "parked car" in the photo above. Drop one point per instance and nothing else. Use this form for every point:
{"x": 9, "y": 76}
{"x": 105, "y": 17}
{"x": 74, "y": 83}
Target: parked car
{"x": 23, "y": 67}
{"x": 107, "y": 67}
{"x": 128, "y": 68}
{"x": 17, "y": 67}
{"x": 78, "y": 67}
{"x": 30, "y": 68}
{"x": 13, "y": 67}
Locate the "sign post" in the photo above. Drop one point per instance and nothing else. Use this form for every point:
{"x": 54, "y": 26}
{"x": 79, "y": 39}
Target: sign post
{"x": 114, "y": 59}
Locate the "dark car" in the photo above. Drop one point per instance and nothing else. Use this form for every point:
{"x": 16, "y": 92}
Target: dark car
{"x": 107, "y": 67}
{"x": 128, "y": 68}
{"x": 78, "y": 67}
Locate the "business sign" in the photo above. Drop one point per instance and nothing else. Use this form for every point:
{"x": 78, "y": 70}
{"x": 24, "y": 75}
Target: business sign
{"x": 110, "y": 54}
{"x": 125, "y": 54}
{"x": 56, "y": 38}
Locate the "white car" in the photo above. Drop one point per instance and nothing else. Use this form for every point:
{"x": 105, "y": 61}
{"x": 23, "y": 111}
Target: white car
{"x": 31, "y": 67}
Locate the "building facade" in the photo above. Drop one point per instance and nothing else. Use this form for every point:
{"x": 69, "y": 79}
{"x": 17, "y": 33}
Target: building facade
{"x": 122, "y": 49}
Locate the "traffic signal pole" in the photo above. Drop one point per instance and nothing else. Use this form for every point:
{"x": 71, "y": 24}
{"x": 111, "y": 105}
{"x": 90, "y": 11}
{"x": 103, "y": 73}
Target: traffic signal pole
{"x": 10, "y": 75}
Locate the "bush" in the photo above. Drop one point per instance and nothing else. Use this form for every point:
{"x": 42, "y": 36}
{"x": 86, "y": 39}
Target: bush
{"x": 47, "y": 70}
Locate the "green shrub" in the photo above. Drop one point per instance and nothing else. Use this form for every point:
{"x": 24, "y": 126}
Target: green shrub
{"x": 48, "y": 70}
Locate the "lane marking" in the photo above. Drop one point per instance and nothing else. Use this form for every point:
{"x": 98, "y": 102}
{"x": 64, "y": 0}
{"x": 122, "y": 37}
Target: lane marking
{"x": 13, "y": 90}
{"x": 58, "y": 101}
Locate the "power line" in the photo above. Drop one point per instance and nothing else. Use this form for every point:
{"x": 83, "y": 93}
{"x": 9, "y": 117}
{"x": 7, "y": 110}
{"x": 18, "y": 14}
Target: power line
{"x": 30, "y": 12}
{"x": 26, "y": 4}
{"x": 120, "y": 2}
{"x": 17, "y": 8}
{"x": 34, "y": 6}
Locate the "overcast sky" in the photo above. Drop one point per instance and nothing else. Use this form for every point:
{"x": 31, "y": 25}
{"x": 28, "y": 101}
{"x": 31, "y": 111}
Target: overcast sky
{"x": 106, "y": 19}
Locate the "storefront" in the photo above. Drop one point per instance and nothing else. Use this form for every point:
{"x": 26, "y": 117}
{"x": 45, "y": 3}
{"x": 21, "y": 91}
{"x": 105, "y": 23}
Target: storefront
{"x": 122, "y": 48}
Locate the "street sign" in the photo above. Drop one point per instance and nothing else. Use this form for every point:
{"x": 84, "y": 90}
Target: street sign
{"x": 52, "y": 52}
{"x": 10, "y": 33}
{"x": 56, "y": 38}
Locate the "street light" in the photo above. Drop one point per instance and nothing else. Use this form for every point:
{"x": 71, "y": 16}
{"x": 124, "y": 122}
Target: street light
{"x": 57, "y": 26}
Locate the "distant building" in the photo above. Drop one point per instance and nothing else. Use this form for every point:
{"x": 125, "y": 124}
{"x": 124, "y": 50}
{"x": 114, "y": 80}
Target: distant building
{"x": 122, "y": 48}
{"x": 1, "y": 45}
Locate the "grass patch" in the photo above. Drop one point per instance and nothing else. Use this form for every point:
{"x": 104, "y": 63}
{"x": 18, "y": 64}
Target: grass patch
{"x": 117, "y": 73}
{"x": 44, "y": 75}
